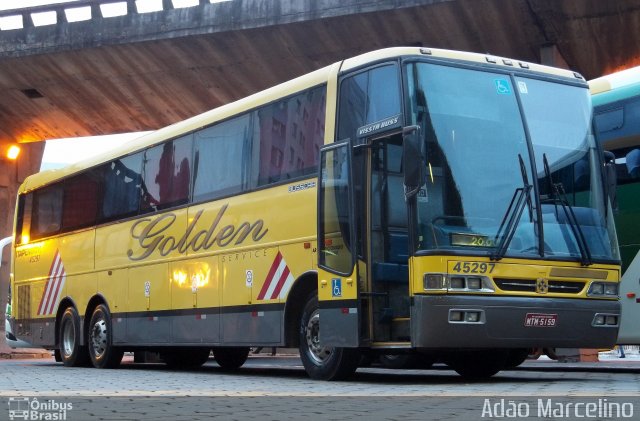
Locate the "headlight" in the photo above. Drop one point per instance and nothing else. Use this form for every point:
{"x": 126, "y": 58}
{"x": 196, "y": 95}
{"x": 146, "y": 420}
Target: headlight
{"x": 457, "y": 283}
{"x": 603, "y": 289}
{"x": 434, "y": 281}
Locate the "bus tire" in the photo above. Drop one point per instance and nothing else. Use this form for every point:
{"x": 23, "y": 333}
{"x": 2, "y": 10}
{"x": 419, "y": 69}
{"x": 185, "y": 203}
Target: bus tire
{"x": 323, "y": 363}
{"x": 479, "y": 364}
{"x": 100, "y": 340}
{"x": 516, "y": 357}
{"x": 71, "y": 352}
{"x": 406, "y": 361}
{"x": 231, "y": 358}
{"x": 185, "y": 358}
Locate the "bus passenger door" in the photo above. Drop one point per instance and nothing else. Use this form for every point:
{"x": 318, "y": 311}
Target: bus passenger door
{"x": 388, "y": 242}
{"x": 338, "y": 285}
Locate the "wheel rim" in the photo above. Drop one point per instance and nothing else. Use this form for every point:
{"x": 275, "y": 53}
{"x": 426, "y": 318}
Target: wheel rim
{"x": 319, "y": 354}
{"x": 99, "y": 338}
{"x": 68, "y": 339}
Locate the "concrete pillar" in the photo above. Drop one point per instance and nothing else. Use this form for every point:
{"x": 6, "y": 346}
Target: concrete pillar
{"x": 551, "y": 56}
{"x": 131, "y": 7}
{"x": 96, "y": 12}
{"x": 27, "y": 21}
{"x": 61, "y": 16}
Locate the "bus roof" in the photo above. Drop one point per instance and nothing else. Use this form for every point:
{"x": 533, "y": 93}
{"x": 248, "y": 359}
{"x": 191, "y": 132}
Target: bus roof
{"x": 615, "y": 87}
{"x": 271, "y": 94}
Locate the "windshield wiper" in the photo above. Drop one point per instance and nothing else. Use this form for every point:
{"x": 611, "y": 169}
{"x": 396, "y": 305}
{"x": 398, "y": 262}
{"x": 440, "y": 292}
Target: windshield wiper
{"x": 558, "y": 196}
{"x": 521, "y": 197}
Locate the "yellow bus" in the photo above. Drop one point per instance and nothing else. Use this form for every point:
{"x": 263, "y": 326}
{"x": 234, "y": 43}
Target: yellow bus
{"x": 440, "y": 204}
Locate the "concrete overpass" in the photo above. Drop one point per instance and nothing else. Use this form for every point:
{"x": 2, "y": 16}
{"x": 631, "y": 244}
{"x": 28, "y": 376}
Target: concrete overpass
{"x": 141, "y": 71}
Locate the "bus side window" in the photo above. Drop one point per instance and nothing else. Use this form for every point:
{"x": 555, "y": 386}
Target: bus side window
{"x": 123, "y": 187}
{"x": 47, "y": 211}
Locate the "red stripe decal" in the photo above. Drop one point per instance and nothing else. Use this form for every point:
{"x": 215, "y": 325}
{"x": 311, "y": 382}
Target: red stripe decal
{"x": 55, "y": 287}
{"x": 281, "y": 281}
{"x": 47, "y": 286}
{"x": 58, "y": 285}
{"x": 269, "y": 279}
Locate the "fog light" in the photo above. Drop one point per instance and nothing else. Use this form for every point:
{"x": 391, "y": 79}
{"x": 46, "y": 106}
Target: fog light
{"x": 611, "y": 320}
{"x": 599, "y": 320}
{"x": 474, "y": 283}
{"x": 472, "y": 316}
{"x": 455, "y": 316}
{"x": 433, "y": 281}
{"x": 457, "y": 283}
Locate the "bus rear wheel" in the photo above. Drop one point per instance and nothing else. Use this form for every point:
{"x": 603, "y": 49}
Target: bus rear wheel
{"x": 71, "y": 352}
{"x": 101, "y": 350}
{"x": 322, "y": 362}
{"x": 231, "y": 358}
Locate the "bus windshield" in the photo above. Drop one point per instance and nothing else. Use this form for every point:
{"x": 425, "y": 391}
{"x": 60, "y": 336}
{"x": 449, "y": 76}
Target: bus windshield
{"x": 480, "y": 158}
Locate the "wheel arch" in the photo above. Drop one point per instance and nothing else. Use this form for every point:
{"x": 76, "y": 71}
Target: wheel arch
{"x": 304, "y": 285}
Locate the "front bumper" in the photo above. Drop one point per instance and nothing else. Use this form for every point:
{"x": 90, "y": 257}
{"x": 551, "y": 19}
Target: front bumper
{"x": 502, "y": 322}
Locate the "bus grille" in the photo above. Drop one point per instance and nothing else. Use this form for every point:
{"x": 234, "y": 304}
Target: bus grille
{"x": 529, "y": 285}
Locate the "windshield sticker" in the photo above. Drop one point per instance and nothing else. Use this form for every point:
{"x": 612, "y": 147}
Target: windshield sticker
{"x": 502, "y": 87}
{"x": 422, "y": 195}
{"x": 522, "y": 87}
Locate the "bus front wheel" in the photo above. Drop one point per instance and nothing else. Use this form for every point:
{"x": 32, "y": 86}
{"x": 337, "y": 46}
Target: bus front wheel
{"x": 71, "y": 352}
{"x": 323, "y": 362}
{"x": 185, "y": 358}
{"x": 101, "y": 350}
{"x": 479, "y": 364}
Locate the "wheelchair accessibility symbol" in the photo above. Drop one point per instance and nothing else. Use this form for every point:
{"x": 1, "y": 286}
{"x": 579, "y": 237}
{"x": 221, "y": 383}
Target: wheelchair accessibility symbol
{"x": 502, "y": 87}
{"x": 336, "y": 287}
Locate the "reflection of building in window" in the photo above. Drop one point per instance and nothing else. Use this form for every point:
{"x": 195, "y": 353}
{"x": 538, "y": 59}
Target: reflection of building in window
{"x": 122, "y": 187}
{"x": 284, "y": 129}
{"x": 172, "y": 178}
{"x": 633, "y": 163}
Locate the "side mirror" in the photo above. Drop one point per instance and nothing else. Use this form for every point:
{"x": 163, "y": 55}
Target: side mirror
{"x": 611, "y": 178}
{"x": 413, "y": 161}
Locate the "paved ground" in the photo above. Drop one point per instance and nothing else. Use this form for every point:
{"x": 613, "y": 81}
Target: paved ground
{"x": 277, "y": 388}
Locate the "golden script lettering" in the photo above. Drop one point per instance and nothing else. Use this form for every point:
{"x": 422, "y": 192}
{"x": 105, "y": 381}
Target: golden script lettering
{"x": 149, "y": 234}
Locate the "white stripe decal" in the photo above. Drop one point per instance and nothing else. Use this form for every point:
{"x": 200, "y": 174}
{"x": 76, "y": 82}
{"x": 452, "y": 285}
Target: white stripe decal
{"x": 55, "y": 281}
{"x": 54, "y": 287}
{"x": 49, "y": 285}
{"x": 273, "y": 282}
{"x": 286, "y": 286}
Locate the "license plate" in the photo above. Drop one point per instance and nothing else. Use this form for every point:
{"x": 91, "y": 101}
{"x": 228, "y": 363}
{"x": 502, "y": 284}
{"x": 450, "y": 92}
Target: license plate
{"x": 540, "y": 320}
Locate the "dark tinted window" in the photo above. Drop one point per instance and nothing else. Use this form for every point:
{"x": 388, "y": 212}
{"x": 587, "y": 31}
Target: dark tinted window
{"x": 167, "y": 170}
{"x": 221, "y": 159}
{"x": 80, "y": 201}
{"x": 47, "y": 211}
{"x": 368, "y": 97}
{"x": 288, "y": 136}
{"x": 23, "y": 221}
{"x": 123, "y": 187}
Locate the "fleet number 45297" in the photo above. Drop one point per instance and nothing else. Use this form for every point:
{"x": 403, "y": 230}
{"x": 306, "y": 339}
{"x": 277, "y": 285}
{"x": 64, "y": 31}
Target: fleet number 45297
{"x": 474, "y": 267}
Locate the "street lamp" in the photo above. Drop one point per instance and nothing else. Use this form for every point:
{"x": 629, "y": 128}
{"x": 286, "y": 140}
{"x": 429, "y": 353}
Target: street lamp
{"x": 13, "y": 152}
